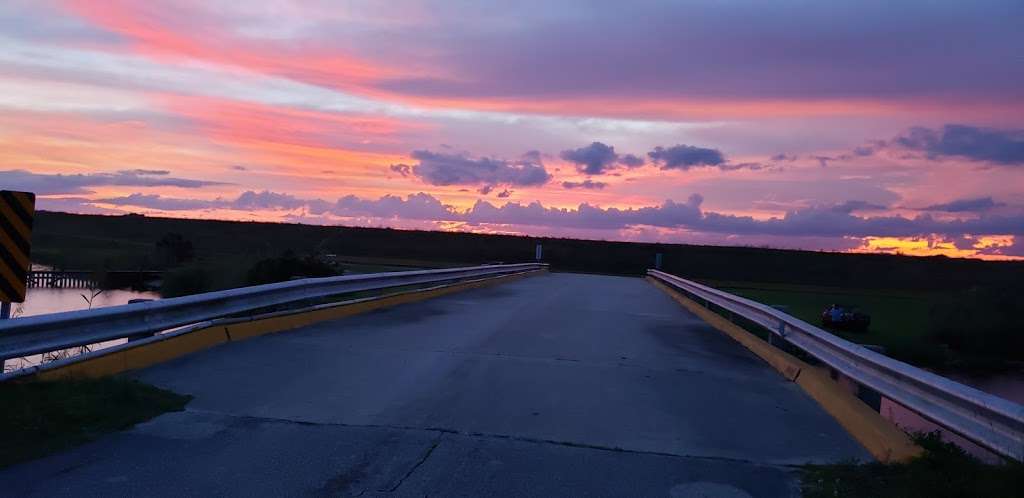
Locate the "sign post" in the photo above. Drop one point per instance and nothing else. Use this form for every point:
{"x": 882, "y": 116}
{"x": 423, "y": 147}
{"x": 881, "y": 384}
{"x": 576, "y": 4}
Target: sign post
{"x": 17, "y": 210}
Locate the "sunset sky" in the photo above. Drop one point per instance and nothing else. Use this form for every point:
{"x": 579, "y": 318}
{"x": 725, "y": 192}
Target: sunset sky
{"x": 850, "y": 126}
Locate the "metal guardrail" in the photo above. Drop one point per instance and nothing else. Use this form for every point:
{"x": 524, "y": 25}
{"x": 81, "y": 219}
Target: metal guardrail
{"x": 990, "y": 421}
{"x": 39, "y": 334}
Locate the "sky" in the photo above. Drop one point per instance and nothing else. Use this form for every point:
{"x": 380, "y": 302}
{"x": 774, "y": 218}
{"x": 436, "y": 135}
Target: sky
{"x": 862, "y": 126}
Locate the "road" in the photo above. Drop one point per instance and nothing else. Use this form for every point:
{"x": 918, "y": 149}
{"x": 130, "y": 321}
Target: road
{"x": 553, "y": 385}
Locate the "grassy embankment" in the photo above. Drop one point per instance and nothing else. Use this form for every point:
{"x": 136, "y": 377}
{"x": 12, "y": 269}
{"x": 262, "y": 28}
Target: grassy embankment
{"x": 899, "y": 318}
{"x": 939, "y": 329}
{"x": 39, "y": 418}
{"x": 943, "y": 471}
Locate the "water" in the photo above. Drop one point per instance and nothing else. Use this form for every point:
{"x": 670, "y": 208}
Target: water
{"x": 1007, "y": 386}
{"x": 41, "y": 300}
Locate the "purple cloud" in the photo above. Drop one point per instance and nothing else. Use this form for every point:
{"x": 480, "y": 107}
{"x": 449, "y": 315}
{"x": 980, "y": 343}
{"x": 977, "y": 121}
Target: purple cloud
{"x": 438, "y": 168}
{"x": 401, "y": 169}
{"x": 685, "y": 157}
{"x": 821, "y": 222}
{"x": 46, "y": 184}
{"x": 857, "y": 205}
{"x": 154, "y": 201}
{"x": 1005, "y": 147}
{"x": 771, "y": 51}
{"x": 966, "y": 205}
{"x": 598, "y": 158}
{"x": 585, "y": 184}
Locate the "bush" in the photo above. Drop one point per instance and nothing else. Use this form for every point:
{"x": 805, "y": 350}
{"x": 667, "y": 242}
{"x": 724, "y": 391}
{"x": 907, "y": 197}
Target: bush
{"x": 191, "y": 279}
{"x": 173, "y": 249}
{"x": 226, "y": 273}
{"x": 983, "y": 322}
{"x": 287, "y": 267}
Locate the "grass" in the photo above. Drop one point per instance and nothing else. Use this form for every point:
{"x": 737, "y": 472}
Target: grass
{"x": 39, "y": 418}
{"x": 899, "y": 318}
{"x": 943, "y": 471}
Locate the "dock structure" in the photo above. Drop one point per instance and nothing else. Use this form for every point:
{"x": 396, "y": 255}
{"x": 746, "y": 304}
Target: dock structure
{"x": 83, "y": 279}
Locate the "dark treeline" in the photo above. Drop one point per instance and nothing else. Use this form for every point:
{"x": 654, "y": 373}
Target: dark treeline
{"x": 92, "y": 242}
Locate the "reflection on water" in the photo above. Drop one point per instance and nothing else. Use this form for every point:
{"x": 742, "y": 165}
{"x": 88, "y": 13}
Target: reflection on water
{"x": 40, "y": 300}
{"x": 1006, "y": 386}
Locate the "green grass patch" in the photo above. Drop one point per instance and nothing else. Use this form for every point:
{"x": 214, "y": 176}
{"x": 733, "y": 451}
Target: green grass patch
{"x": 899, "y": 318}
{"x": 39, "y": 418}
{"x": 943, "y": 471}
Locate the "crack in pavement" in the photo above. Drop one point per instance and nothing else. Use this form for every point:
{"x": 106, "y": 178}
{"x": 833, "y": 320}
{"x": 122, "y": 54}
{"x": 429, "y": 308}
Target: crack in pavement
{"x": 505, "y": 437}
{"x": 422, "y": 460}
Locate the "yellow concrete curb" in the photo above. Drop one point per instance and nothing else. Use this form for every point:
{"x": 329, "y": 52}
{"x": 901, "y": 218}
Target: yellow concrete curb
{"x": 886, "y": 442}
{"x": 154, "y": 352}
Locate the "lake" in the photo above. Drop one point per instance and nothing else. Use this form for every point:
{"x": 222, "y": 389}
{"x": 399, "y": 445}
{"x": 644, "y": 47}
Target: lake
{"x": 43, "y": 300}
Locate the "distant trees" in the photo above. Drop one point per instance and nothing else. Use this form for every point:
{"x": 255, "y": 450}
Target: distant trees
{"x": 173, "y": 249}
{"x": 228, "y": 273}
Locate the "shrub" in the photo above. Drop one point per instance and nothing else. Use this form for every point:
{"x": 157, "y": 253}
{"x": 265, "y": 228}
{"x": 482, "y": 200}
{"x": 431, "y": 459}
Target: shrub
{"x": 185, "y": 280}
{"x": 983, "y": 322}
{"x": 286, "y": 267}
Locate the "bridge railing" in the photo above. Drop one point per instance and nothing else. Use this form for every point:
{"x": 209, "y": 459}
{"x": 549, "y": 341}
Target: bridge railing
{"x": 57, "y": 331}
{"x": 990, "y": 421}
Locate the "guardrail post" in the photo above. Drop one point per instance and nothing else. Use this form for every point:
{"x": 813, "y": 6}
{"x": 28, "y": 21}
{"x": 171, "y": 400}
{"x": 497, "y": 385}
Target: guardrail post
{"x": 5, "y": 314}
{"x": 539, "y": 252}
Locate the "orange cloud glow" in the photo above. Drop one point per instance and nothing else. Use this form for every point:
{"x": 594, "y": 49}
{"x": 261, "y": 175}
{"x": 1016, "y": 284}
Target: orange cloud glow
{"x": 939, "y": 247}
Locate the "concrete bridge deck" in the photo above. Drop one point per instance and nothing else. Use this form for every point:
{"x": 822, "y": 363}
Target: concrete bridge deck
{"x": 554, "y": 385}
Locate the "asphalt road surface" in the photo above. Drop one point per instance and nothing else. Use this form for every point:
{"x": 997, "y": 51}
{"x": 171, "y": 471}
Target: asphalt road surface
{"x": 554, "y": 385}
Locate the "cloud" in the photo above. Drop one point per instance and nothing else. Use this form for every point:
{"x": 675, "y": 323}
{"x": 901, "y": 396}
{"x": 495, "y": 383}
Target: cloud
{"x": 857, "y": 205}
{"x": 48, "y": 184}
{"x": 585, "y": 184}
{"x": 631, "y": 161}
{"x": 685, "y": 157}
{"x": 1005, "y": 147}
{"x": 144, "y": 172}
{"x": 414, "y": 207}
{"x": 439, "y": 168}
{"x": 154, "y": 201}
{"x": 597, "y": 158}
{"x": 821, "y": 221}
{"x": 965, "y": 205}
{"x": 267, "y": 200}
{"x": 811, "y": 61}
{"x": 737, "y": 166}
{"x": 402, "y": 169}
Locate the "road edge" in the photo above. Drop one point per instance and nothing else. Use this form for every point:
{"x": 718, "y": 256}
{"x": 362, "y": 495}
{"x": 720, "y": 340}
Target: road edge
{"x": 884, "y": 440}
{"x": 166, "y": 347}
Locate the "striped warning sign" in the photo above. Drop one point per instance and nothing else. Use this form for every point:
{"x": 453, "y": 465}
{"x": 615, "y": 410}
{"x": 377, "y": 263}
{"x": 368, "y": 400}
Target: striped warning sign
{"x": 16, "y": 212}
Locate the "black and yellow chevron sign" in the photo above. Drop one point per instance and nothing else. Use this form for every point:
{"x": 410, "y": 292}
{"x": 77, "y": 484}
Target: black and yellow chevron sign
{"x": 16, "y": 212}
